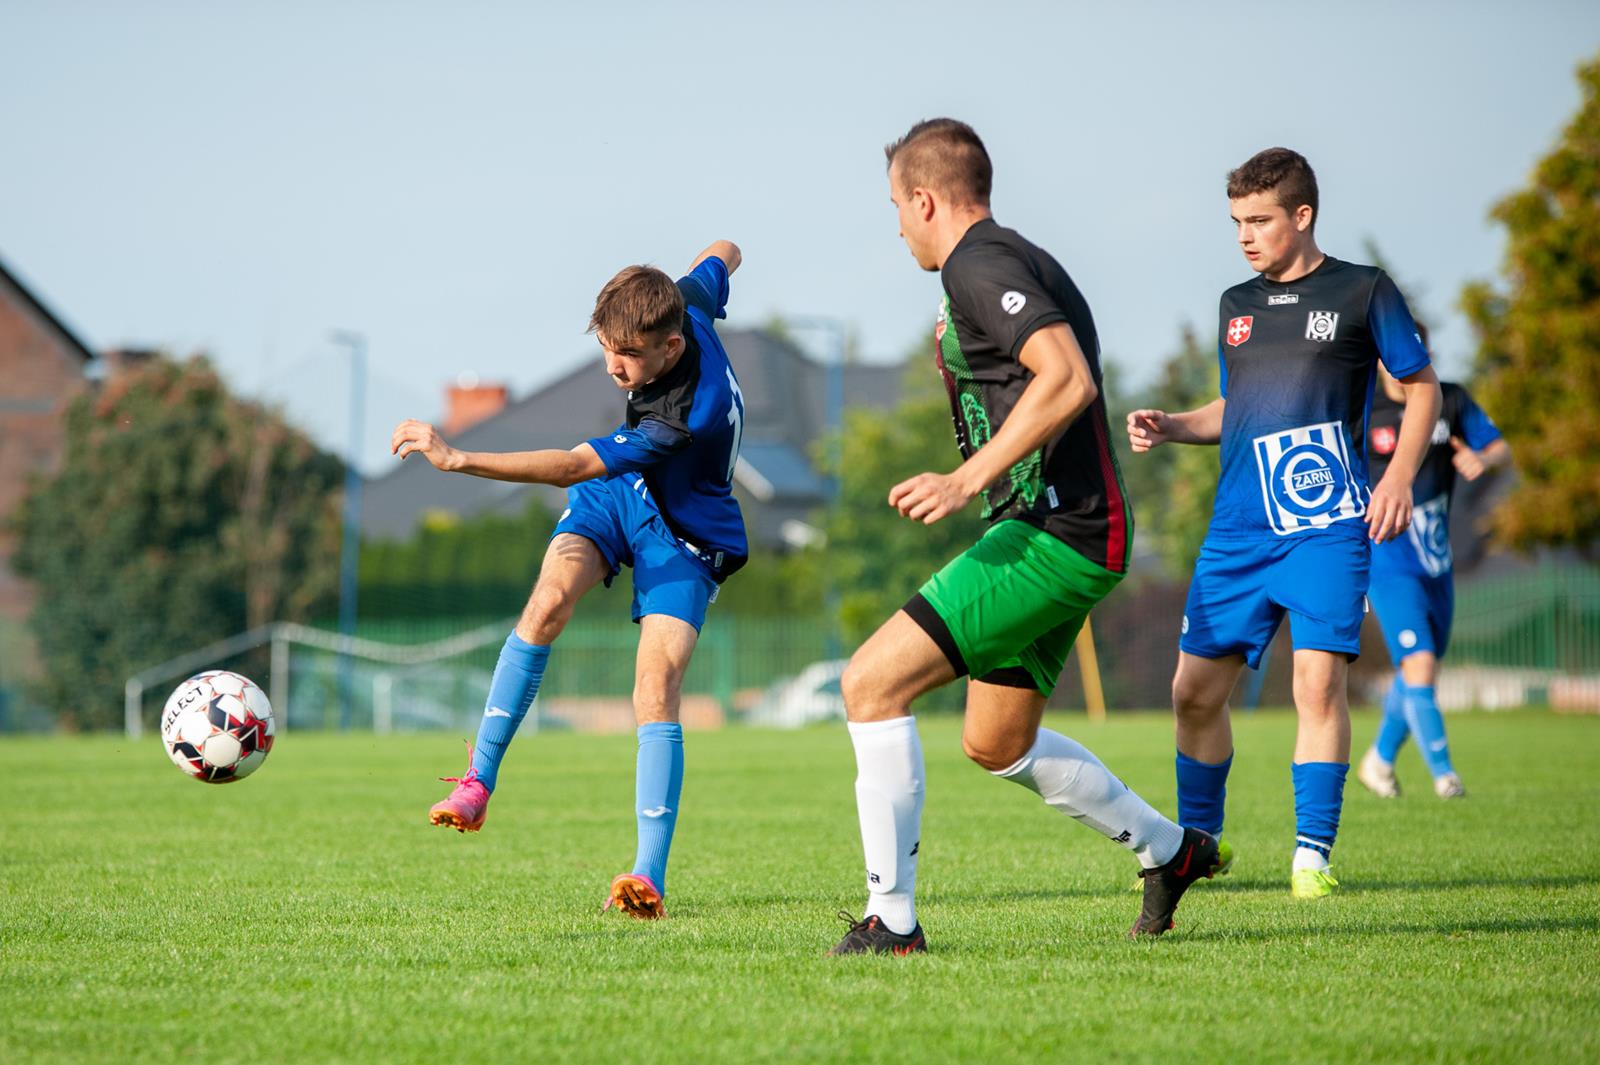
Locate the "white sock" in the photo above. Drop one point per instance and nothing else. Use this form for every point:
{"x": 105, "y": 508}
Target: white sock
{"x": 889, "y": 801}
{"x": 1068, "y": 776}
{"x": 1309, "y": 858}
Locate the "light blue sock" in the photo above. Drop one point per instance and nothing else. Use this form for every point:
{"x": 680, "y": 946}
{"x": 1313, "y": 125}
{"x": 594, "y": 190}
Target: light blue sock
{"x": 1394, "y": 729}
{"x": 1318, "y": 798}
{"x": 658, "y": 784}
{"x": 516, "y": 682}
{"x": 1202, "y": 788}
{"x": 1422, "y": 712}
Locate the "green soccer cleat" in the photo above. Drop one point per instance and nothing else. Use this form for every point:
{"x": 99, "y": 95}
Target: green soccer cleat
{"x": 1312, "y": 883}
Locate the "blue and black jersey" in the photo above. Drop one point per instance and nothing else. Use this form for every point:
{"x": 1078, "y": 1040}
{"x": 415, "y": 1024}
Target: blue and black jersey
{"x": 1298, "y": 370}
{"x": 1426, "y": 547}
{"x": 680, "y": 439}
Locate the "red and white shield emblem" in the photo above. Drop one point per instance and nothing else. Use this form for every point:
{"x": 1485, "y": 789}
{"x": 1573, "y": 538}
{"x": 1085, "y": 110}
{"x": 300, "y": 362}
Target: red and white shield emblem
{"x": 1239, "y": 330}
{"x": 1384, "y": 439}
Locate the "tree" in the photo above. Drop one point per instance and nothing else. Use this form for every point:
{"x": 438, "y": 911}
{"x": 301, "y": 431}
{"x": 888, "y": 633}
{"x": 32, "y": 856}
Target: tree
{"x": 1172, "y": 487}
{"x": 454, "y": 567}
{"x": 180, "y": 515}
{"x": 875, "y": 558}
{"x": 1538, "y": 359}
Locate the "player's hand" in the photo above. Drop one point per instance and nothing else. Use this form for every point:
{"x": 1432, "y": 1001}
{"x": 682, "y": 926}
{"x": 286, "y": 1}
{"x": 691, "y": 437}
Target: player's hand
{"x": 1467, "y": 462}
{"x": 1148, "y": 429}
{"x": 927, "y": 497}
{"x": 420, "y": 438}
{"x": 1389, "y": 513}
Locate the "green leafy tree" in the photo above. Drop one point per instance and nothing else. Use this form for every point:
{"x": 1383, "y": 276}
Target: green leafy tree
{"x": 180, "y": 515}
{"x": 456, "y": 567}
{"x": 874, "y": 558}
{"x": 1538, "y": 356}
{"x": 1173, "y": 486}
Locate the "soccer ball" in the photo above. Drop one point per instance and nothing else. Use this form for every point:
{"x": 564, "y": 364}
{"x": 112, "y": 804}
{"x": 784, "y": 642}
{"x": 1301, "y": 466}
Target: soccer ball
{"x": 217, "y": 726}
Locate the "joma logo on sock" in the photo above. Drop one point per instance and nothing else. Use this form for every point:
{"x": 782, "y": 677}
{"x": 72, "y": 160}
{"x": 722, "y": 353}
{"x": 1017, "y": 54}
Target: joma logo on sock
{"x": 1123, "y": 838}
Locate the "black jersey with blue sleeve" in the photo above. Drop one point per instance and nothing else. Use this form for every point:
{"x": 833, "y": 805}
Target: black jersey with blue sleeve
{"x": 1298, "y": 366}
{"x": 682, "y": 431}
{"x": 1426, "y": 547}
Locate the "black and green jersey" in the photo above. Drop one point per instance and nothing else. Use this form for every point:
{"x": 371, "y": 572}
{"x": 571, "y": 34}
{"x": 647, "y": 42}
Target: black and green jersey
{"x": 999, "y": 289}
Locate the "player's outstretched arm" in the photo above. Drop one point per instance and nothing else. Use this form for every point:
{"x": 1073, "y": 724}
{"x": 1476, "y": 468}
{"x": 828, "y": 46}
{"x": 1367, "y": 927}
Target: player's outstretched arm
{"x": 550, "y": 466}
{"x": 1061, "y": 389}
{"x": 726, "y": 250}
{"x": 1152, "y": 428}
{"x": 1389, "y": 513}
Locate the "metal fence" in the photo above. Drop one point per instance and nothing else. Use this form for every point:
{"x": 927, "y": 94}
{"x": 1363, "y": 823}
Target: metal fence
{"x": 1531, "y": 637}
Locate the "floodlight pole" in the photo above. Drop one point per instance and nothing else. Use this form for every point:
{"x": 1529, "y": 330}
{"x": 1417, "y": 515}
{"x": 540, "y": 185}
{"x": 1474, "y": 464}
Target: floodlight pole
{"x": 350, "y": 552}
{"x": 834, "y": 420}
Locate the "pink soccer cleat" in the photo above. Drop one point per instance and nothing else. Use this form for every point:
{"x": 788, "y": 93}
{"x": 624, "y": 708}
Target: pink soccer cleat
{"x": 467, "y": 804}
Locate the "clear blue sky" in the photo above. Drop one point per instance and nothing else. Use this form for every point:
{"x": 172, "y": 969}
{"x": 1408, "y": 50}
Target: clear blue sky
{"x": 457, "y": 180}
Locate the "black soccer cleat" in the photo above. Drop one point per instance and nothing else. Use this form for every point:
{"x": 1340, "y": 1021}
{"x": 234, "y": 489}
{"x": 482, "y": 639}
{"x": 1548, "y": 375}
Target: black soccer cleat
{"x": 1164, "y": 885}
{"x": 871, "y": 936}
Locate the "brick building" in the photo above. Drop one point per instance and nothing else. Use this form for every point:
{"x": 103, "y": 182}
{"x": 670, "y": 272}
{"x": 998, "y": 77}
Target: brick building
{"x": 43, "y": 365}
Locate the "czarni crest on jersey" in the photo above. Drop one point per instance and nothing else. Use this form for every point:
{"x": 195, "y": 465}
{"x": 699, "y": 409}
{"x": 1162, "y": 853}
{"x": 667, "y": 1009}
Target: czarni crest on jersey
{"x": 1298, "y": 369}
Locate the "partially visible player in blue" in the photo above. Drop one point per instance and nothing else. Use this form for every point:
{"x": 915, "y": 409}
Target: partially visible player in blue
{"x": 1413, "y": 590}
{"x": 1299, "y": 345}
{"x": 656, "y": 494}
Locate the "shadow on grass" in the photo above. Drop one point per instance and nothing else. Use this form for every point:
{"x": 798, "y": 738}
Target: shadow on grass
{"x": 1271, "y": 886}
{"x": 1199, "y": 931}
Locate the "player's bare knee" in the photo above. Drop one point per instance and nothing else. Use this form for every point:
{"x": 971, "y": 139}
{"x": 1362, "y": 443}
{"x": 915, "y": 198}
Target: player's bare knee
{"x": 1194, "y": 703}
{"x": 994, "y": 753}
{"x": 656, "y": 696}
{"x": 866, "y": 697}
{"x": 547, "y": 613}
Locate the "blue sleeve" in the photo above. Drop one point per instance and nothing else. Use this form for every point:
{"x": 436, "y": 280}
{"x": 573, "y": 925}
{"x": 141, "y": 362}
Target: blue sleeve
{"x": 1222, "y": 369}
{"x": 1474, "y": 426}
{"x": 626, "y": 450}
{"x": 706, "y": 288}
{"x": 1394, "y": 331}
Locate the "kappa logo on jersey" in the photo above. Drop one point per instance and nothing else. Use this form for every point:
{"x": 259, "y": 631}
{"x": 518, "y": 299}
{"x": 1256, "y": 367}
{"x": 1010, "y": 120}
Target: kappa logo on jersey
{"x": 1283, "y": 299}
{"x": 1384, "y": 438}
{"x": 1239, "y": 330}
{"x": 1441, "y": 432}
{"x": 1306, "y": 481}
{"x": 1430, "y": 534}
{"x": 1322, "y": 325}
{"x": 1012, "y": 302}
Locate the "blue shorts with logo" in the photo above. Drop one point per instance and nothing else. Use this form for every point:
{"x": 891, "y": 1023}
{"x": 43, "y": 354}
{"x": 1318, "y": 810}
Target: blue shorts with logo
{"x": 617, "y": 516}
{"x": 1414, "y": 610}
{"x": 1243, "y": 587}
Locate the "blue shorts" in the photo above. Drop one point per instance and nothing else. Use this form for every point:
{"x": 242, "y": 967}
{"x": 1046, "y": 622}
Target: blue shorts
{"x": 617, "y": 516}
{"x": 1414, "y": 611}
{"x": 1242, "y": 588}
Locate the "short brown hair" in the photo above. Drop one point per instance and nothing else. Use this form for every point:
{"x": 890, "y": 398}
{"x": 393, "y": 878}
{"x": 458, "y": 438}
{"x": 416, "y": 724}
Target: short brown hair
{"x": 946, "y": 156}
{"x": 1277, "y": 170}
{"x": 637, "y": 304}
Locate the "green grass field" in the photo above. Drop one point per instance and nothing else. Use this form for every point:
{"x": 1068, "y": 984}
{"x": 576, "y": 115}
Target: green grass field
{"x": 309, "y": 913}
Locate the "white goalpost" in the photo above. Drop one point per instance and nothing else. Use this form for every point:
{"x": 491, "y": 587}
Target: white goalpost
{"x": 432, "y": 684}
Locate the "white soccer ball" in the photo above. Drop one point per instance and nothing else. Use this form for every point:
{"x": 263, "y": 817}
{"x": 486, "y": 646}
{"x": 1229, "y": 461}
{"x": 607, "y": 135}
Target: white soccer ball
{"x": 217, "y": 726}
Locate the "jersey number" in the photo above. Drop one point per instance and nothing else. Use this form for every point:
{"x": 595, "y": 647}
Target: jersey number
{"x": 736, "y": 420}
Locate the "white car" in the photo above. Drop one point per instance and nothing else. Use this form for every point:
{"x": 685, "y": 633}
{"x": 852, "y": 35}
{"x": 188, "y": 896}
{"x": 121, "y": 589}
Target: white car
{"x": 810, "y": 696}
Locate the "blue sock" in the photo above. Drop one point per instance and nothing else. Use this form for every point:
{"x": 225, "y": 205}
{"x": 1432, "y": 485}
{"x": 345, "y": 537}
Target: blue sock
{"x": 1422, "y": 711}
{"x": 1318, "y": 795}
{"x": 516, "y": 682}
{"x": 1202, "y": 787}
{"x": 658, "y": 783}
{"x": 1394, "y": 729}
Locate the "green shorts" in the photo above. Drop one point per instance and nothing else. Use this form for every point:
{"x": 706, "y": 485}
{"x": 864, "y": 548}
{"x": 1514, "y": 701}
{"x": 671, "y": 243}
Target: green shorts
{"x": 1008, "y": 609}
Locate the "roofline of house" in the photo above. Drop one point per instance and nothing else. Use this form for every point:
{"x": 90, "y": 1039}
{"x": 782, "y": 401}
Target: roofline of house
{"x": 73, "y": 340}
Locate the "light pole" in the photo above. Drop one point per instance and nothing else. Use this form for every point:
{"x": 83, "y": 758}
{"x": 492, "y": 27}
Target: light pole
{"x": 350, "y": 549}
{"x": 834, "y": 419}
